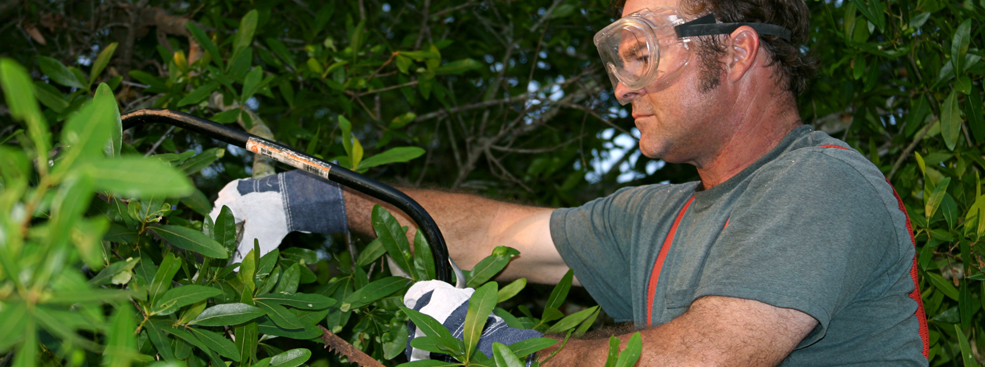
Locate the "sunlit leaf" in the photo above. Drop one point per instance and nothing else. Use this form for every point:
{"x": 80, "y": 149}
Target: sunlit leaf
{"x": 192, "y": 240}
{"x": 227, "y": 314}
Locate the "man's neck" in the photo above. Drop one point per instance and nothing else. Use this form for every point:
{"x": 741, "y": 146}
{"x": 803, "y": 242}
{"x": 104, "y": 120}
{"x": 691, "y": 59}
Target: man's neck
{"x": 755, "y": 132}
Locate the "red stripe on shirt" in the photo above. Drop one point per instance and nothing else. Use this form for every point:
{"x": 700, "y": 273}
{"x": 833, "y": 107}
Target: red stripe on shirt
{"x": 915, "y": 295}
{"x": 658, "y": 265}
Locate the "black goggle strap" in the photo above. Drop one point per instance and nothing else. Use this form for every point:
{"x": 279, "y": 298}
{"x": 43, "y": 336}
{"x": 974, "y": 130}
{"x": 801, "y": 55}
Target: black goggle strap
{"x": 707, "y": 25}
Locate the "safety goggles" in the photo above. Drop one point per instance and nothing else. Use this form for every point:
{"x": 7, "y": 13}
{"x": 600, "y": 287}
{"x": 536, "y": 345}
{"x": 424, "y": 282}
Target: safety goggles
{"x": 653, "y": 46}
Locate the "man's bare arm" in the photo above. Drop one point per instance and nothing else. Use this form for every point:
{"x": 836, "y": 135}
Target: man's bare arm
{"x": 715, "y": 331}
{"x": 474, "y": 226}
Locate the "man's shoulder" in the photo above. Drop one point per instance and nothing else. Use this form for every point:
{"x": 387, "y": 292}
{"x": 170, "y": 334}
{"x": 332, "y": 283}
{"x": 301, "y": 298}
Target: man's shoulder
{"x": 818, "y": 158}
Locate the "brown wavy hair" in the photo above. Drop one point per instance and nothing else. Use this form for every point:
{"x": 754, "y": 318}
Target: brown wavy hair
{"x": 792, "y": 68}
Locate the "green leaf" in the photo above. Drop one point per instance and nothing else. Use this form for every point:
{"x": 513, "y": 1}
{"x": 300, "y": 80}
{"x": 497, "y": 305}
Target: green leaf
{"x": 218, "y": 343}
{"x": 281, "y": 51}
{"x": 372, "y": 252}
{"x": 280, "y": 315}
{"x": 26, "y": 356}
{"x": 571, "y": 321}
{"x": 394, "y": 155}
{"x": 188, "y": 338}
{"x": 935, "y": 199}
{"x": 58, "y": 73}
{"x": 357, "y": 153}
{"x": 19, "y": 94}
{"x": 297, "y": 300}
{"x": 481, "y": 305}
{"x": 966, "y": 356}
{"x": 252, "y": 84}
{"x": 403, "y": 62}
{"x": 162, "y": 279}
{"x": 429, "y": 363}
{"x": 104, "y": 99}
{"x": 610, "y": 361}
{"x": 121, "y": 346}
{"x": 226, "y": 117}
{"x": 944, "y": 286}
{"x": 526, "y": 347}
{"x": 191, "y": 240}
{"x": 289, "y": 280}
{"x": 959, "y": 46}
{"x": 975, "y": 115}
{"x": 182, "y": 296}
{"x": 309, "y": 331}
{"x": 105, "y": 275}
{"x": 629, "y": 356}
{"x": 393, "y": 237}
{"x": 432, "y": 328}
{"x": 585, "y": 325}
{"x": 206, "y": 42}
{"x": 244, "y": 36}
{"x": 504, "y": 357}
{"x": 192, "y": 312}
{"x": 224, "y": 231}
{"x": 134, "y": 176}
{"x": 356, "y": 37}
{"x": 248, "y": 267}
{"x": 199, "y": 94}
{"x": 560, "y": 291}
{"x": 87, "y": 133}
{"x": 457, "y": 67}
{"x": 290, "y": 358}
{"x": 488, "y": 267}
{"x": 227, "y": 314}
{"x": 512, "y": 289}
{"x": 92, "y": 295}
{"x": 402, "y": 120}
{"x": 50, "y": 97}
{"x": 13, "y": 318}
{"x": 951, "y": 120}
{"x": 160, "y": 341}
{"x": 346, "y": 127}
{"x": 240, "y": 64}
{"x": 423, "y": 258}
{"x": 373, "y": 292}
{"x": 101, "y": 61}
{"x": 873, "y": 12}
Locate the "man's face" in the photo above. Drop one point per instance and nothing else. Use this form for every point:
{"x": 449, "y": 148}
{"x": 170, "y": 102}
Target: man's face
{"x": 676, "y": 120}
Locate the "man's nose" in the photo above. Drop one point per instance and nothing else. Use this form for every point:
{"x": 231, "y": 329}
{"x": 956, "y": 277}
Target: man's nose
{"x": 624, "y": 93}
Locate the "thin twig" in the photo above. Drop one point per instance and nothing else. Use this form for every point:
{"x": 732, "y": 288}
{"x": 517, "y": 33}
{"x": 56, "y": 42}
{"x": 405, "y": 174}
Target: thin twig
{"x": 424, "y": 24}
{"x": 535, "y": 151}
{"x": 159, "y": 141}
{"x": 909, "y": 148}
{"x": 596, "y": 115}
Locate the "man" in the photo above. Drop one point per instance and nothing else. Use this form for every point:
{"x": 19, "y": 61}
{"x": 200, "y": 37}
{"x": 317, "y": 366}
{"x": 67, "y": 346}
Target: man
{"x": 792, "y": 249}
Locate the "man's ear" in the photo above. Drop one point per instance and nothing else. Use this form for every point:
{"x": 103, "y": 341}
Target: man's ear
{"x": 742, "y": 52}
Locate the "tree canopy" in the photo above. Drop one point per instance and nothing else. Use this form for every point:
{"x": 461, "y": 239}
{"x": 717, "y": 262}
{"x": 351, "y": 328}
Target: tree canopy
{"x": 502, "y": 98}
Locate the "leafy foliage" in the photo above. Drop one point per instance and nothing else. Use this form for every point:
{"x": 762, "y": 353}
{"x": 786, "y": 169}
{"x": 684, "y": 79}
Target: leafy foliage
{"x": 502, "y": 98}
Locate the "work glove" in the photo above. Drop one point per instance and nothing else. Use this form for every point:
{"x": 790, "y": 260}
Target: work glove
{"x": 449, "y": 305}
{"x": 271, "y": 207}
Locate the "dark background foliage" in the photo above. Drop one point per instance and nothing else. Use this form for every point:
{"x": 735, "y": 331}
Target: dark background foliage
{"x": 507, "y": 99}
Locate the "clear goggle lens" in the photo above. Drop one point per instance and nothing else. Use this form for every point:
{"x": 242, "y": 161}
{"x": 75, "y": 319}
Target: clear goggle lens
{"x": 642, "y": 48}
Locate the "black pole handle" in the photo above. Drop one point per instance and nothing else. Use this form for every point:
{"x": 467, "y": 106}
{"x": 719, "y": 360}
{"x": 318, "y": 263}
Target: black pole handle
{"x": 322, "y": 169}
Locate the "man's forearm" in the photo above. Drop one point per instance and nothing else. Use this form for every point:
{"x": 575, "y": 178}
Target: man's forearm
{"x": 717, "y": 331}
{"x": 472, "y": 226}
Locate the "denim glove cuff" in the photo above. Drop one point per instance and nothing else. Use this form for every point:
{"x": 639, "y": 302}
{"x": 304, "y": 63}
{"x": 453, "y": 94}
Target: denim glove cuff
{"x": 313, "y": 205}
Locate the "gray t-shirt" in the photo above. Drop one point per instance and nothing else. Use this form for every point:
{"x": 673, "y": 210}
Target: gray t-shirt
{"x": 812, "y": 226}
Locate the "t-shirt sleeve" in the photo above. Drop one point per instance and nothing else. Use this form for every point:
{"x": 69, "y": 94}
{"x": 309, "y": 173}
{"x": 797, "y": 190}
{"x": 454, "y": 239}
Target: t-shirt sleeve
{"x": 596, "y": 240}
{"x": 806, "y": 240}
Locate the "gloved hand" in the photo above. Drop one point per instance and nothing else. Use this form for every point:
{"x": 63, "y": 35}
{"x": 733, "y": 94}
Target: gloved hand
{"x": 271, "y": 207}
{"x": 449, "y": 305}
